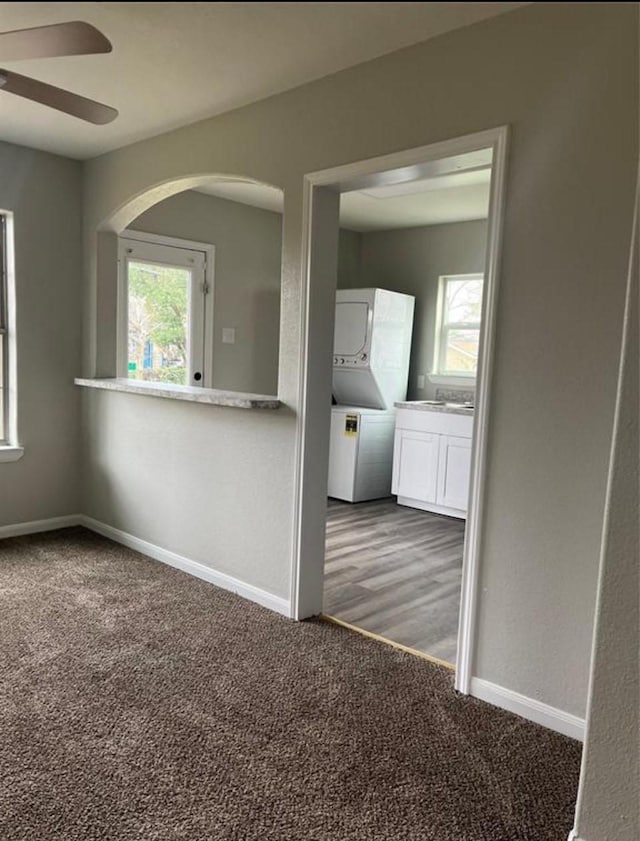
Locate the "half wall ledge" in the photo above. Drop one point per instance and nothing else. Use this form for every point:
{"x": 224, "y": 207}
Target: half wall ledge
{"x": 192, "y": 394}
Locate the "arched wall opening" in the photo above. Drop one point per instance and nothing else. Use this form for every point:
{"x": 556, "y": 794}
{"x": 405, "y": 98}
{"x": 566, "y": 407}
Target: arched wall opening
{"x": 237, "y": 220}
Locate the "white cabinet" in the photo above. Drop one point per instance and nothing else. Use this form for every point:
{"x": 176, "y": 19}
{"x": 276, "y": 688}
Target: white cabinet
{"x": 415, "y": 465}
{"x": 432, "y": 460}
{"x": 454, "y": 469}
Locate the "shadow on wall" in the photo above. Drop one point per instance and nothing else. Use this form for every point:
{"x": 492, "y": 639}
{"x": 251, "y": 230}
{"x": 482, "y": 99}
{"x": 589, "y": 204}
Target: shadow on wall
{"x": 264, "y": 327}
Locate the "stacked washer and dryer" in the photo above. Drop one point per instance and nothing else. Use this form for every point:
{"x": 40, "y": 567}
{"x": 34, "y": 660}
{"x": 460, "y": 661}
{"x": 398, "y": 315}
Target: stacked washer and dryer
{"x": 372, "y": 344}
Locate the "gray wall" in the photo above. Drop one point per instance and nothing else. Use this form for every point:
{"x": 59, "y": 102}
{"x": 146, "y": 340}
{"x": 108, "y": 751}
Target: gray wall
{"x": 411, "y": 260}
{"x": 248, "y": 243}
{"x": 571, "y": 106}
{"x": 349, "y": 259}
{"x": 608, "y": 801}
{"x": 44, "y": 192}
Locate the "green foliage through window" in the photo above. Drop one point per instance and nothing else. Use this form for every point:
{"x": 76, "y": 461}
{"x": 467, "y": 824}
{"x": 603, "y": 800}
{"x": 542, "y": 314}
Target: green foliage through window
{"x": 158, "y": 306}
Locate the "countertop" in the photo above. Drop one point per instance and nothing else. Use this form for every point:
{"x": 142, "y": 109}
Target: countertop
{"x": 435, "y": 406}
{"x": 194, "y": 394}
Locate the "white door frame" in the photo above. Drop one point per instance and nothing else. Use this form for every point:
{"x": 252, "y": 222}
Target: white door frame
{"x": 319, "y": 255}
{"x": 208, "y": 250}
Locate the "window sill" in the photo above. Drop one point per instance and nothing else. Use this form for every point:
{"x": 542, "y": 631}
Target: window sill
{"x": 460, "y": 382}
{"x": 192, "y": 394}
{"x": 9, "y": 453}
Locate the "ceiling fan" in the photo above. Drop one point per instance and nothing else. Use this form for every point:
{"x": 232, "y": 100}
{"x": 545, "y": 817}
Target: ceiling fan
{"x": 59, "y": 39}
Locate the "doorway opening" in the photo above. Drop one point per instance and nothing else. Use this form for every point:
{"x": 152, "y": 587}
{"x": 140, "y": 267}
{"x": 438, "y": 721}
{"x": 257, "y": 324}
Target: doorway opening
{"x": 408, "y": 373}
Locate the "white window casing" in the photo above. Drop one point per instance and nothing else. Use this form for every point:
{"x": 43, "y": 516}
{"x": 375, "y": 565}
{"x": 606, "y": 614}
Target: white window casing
{"x": 10, "y": 448}
{"x": 441, "y": 373}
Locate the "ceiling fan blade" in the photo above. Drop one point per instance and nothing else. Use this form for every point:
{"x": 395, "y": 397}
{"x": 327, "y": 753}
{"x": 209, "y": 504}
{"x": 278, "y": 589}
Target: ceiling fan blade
{"x": 59, "y": 39}
{"x": 61, "y": 100}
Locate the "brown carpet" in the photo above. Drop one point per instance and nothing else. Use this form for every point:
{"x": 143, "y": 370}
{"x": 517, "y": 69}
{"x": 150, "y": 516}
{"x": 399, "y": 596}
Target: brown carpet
{"x": 139, "y": 703}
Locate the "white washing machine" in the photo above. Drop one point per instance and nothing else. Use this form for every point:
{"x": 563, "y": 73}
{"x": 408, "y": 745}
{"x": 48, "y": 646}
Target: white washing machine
{"x": 360, "y": 453}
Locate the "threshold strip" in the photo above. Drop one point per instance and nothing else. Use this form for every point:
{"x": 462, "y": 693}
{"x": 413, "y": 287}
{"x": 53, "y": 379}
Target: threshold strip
{"x": 429, "y": 657}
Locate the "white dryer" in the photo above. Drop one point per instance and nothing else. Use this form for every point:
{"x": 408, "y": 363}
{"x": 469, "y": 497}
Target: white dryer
{"x": 371, "y": 347}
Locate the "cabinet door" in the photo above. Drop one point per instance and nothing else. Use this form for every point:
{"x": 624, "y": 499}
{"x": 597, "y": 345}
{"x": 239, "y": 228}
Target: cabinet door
{"x": 415, "y": 465}
{"x": 455, "y": 471}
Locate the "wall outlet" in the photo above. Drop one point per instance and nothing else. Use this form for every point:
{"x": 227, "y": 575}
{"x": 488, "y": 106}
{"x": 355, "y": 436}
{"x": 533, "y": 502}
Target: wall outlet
{"x": 421, "y": 381}
{"x": 228, "y": 335}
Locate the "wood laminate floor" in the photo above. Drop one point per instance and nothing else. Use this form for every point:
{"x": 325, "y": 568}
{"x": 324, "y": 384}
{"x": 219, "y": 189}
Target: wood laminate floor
{"x": 395, "y": 572}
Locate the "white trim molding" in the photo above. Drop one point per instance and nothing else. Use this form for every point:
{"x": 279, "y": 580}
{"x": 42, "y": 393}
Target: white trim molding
{"x": 10, "y": 453}
{"x": 195, "y": 568}
{"x": 13, "y": 450}
{"x": 472, "y": 556}
{"x": 36, "y": 526}
{"x": 206, "y": 327}
{"x": 574, "y": 837}
{"x": 536, "y": 711}
{"x": 455, "y": 382}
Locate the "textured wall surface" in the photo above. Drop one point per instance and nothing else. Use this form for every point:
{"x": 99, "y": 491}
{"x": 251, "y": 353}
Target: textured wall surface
{"x": 44, "y": 192}
{"x": 564, "y": 78}
{"x": 609, "y": 799}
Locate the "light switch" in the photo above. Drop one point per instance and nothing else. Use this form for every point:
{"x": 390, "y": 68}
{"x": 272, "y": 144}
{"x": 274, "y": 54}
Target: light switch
{"x": 228, "y": 335}
{"x": 420, "y": 381}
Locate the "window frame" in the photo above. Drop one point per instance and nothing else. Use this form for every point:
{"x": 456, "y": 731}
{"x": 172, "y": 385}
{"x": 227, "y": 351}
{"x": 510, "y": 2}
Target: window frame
{"x": 128, "y": 239}
{"x": 10, "y": 448}
{"x": 4, "y": 335}
{"x": 443, "y": 327}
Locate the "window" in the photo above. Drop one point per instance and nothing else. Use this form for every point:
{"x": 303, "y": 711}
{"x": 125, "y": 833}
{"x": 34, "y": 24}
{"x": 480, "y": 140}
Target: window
{"x": 10, "y": 450}
{"x": 4, "y": 334}
{"x": 458, "y": 332}
{"x": 164, "y": 328}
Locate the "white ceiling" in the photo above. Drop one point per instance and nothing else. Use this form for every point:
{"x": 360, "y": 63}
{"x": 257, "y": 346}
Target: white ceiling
{"x": 458, "y": 197}
{"x": 177, "y": 63}
{"x": 359, "y": 212}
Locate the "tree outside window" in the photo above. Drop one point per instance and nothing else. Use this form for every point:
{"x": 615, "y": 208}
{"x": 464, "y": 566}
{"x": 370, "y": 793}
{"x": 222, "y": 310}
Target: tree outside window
{"x": 459, "y": 325}
{"x": 158, "y": 322}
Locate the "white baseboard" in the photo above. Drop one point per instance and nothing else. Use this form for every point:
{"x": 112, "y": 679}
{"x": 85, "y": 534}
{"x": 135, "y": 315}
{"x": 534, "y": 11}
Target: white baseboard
{"x": 35, "y": 526}
{"x": 529, "y": 708}
{"x": 574, "y": 837}
{"x": 220, "y": 579}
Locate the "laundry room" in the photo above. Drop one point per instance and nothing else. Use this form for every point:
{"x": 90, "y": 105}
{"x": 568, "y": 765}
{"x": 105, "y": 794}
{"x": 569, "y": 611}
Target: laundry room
{"x": 408, "y": 317}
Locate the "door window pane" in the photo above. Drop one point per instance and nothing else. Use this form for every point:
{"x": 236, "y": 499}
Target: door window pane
{"x": 158, "y": 322}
